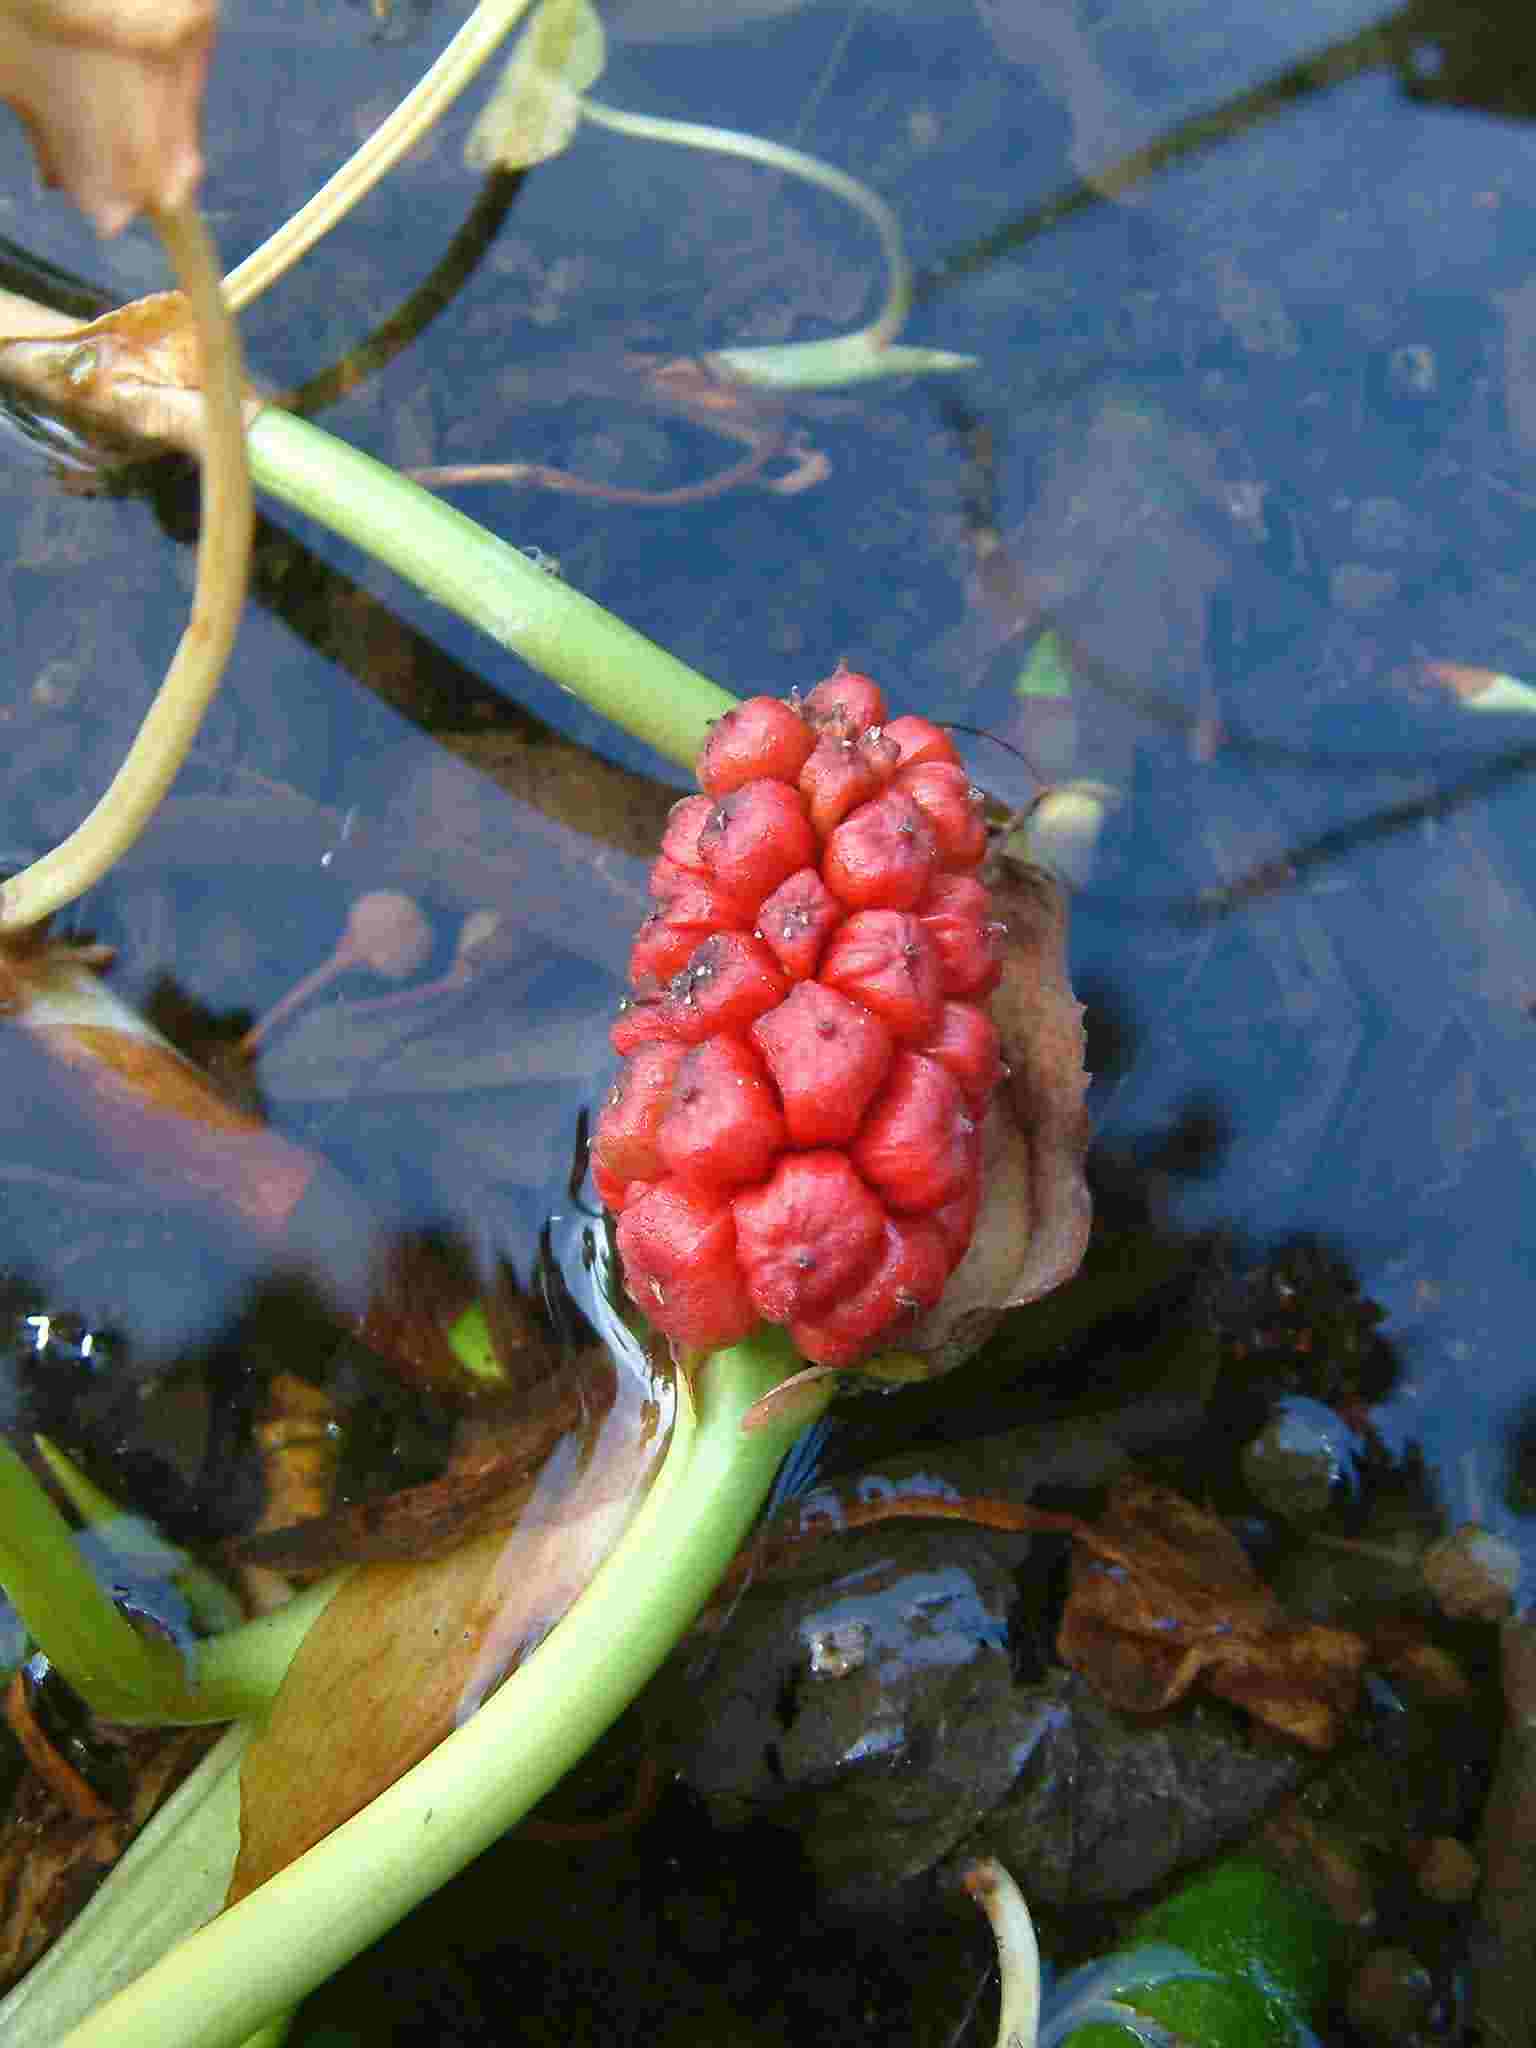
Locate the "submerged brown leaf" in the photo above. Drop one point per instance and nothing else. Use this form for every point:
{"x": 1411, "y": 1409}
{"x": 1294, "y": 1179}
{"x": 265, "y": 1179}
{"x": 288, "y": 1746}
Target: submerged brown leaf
{"x": 1163, "y": 1596}
{"x": 110, "y": 91}
{"x": 404, "y": 1652}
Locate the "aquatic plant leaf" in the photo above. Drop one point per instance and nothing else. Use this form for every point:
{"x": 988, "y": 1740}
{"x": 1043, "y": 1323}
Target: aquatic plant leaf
{"x": 1163, "y": 1595}
{"x": 1035, "y": 1215}
{"x": 831, "y": 362}
{"x": 110, "y": 92}
{"x": 536, "y": 107}
{"x": 404, "y": 1652}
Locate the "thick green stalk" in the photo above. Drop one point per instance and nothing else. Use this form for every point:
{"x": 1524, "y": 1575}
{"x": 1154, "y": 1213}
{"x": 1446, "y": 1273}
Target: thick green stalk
{"x": 264, "y": 1954}
{"x": 585, "y": 649}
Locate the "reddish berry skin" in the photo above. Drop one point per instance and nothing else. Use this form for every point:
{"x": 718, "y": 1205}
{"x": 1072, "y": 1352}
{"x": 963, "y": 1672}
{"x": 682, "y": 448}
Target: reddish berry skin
{"x": 966, "y": 1043}
{"x": 919, "y": 740}
{"x": 907, "y": 1281}
{"x": 685, "y": 821}
{"x": 884, "y": 960}
{"x": 842, "y": 773}
{"x": 678, "y": 1244}
{"x": 755, "y": 837}
{"x": 845, "y": 702}
{"x": 942, "y": 792}
{"x": 762, "y": 737}
{"x": 810, "y": 1233}
{"x": 722, "y": 1125}
{"x": 881, "y": 856}
{"x": 643, "y": 1023}
{"x": 795, "y": 1134}
{"x": 827, "y": 1057}
{"x": 955, "y": 913}
{"x": 796, "y": 921}
{"x": 624, "y": 1143}
{"x": 668, "y": 938}
{"x": 914, "y": 1146}
{"x": 729, "y": 979}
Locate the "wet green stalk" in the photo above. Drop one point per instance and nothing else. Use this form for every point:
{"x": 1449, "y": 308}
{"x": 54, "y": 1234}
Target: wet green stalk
{"x": 262, "y": 1956}
{"x": 585, "y": 649}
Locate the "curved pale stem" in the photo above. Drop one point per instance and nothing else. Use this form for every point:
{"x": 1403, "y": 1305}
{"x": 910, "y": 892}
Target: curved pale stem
{"x": 780, "y": 157}
{"x": 223, "y": 558}
{"x": 436, "y": 90}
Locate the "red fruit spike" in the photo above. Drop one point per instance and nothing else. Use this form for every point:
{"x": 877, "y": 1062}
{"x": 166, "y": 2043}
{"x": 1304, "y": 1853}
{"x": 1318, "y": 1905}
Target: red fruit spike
{"x": 685, "y": 821}
{"x": 827, "y": 1057}
{"x": 884, "y": 961}
{"x": 678, "y": 1245}
{"x": 966, "y": 1044}
{"x": 729, "y": 979}
{"x": 919, "y": 740}
{"x": 881, "y": 856}
{"x": 722, "y": 1126}
{"x": 643, "y": 1023}
{"x": 797, "y": 920}
{"x": 763, "y": 736}
{"x": 756, "y": 836}
{"x": 624, "y": 1143}
{"x": 907, "y": 1281}
{"x": 914, "y": 1146}
{"x": 845, "y": 702}
{"x": 668, "y": 938}
{"x": 956, "y": 915}
{"x": 809, "y": 1234}
{"x": 944, "y": 794}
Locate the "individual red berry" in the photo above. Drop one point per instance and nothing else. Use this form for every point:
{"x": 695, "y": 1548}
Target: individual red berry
{"x": 966, "y": 1043}
{"x": 624, "y": 1142}
{"x": 914, "y": 1145}
{"x": 646, "y": 1022}
{"x": 669, "y": 936}
{"x": 943, "y": 793}
{"x": 762, "y": 737}
{"x": 668, "y": 882}
{"x": 756, "y": 836}
{"x": 919, "y": 740}
{"x": 845, "y": 702}
{"x": 881, "y": 856}
{"x": 827, "y": 1057}
{"x": 728, "y": 981}
{"x": 811, "y": 1232}
{"x": 843, "y": 773}
{"x": 907, "y": 1281}
{"x": 956, "y": 914}
{"x": 678, "y": 1244}
{"x": 685, "y": 821}
{"x": 884, "y": 960}
{"x": 797, "y": 920}
{"x": 722, "y": 1125}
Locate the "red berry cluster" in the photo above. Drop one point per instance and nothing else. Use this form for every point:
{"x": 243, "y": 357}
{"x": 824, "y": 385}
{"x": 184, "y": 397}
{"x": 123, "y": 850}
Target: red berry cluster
{"x": 794, "y": 1134}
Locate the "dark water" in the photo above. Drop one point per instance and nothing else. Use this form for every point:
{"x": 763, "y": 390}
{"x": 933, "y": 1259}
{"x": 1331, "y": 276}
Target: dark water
{"x": 1252, "y": 431}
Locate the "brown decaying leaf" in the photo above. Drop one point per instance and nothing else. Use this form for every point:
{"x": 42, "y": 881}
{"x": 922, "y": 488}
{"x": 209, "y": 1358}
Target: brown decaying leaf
{"x": 110, "y": 92}
{"x": 1033, "y": 1227}
{"x": 52, "y": 1860}
{"x": 405, "y": 1651}
{"x": 1163, "y": 1595}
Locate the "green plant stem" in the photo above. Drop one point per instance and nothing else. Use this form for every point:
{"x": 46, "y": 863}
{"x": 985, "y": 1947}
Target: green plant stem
{"x": 779, "y": 156}
{"x": 121, "y": 1674}
{"x": 265, "y": 1953}
{"x": 585, "y": 649}
{"x": 422, "y": 106}
{"x": 223, "y": 555}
